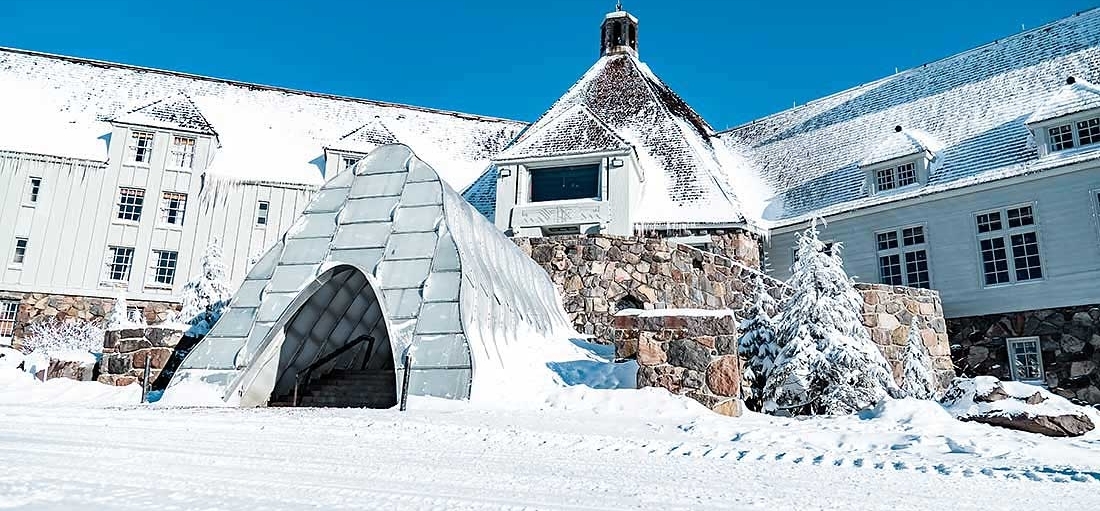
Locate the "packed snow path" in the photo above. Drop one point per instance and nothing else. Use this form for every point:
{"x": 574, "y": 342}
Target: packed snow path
{"x": 464, "y": 458}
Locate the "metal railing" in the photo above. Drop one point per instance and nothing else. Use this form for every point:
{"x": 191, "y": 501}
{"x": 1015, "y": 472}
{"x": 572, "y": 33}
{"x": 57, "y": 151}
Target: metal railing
{"x": 306, "y": 373}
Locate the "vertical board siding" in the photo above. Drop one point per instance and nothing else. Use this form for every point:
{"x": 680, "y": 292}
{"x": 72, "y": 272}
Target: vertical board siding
{"x": 1069, "y": 244}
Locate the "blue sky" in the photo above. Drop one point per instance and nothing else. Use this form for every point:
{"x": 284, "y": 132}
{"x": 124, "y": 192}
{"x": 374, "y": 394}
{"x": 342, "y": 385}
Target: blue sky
{"x": 733, "y": 61}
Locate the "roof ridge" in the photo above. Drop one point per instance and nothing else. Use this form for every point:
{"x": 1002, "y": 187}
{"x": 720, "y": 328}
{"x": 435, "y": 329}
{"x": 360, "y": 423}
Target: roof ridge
{"x": 259, "y": 86}
{"x": 1092, "y": 11}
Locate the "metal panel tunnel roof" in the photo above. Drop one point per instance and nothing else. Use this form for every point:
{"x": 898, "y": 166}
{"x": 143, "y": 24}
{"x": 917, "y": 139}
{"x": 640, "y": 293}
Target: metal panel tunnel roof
{"x": 391, "y": 251}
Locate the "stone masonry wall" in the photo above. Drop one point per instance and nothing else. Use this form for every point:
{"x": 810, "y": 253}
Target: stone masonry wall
{"x": 887, "y": 312}
{"x": 694, "y": 355}
{"x": 600, "y": 275}
{"x": 35, "y": 307}
{"x": 125, "y": 353}
{"x": 1069, "y": 340}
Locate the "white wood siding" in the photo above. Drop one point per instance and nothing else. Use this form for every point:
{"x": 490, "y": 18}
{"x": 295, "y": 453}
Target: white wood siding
{"x": 1069, "y": 244}
{"x": 75, "y": 220}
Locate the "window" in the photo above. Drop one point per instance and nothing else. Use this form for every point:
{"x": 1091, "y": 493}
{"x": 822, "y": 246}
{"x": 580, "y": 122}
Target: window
{"x": 141, "y": 147}
{"x": 896, "y": 177}
{"x": 262, "y": 209}
{"x": 172, "y": 208}
{"x": 9, "y": 309}
{"x": 20, "y": 251}
{"x": 164, "y": 267}
{"x": 903, "y": 257}
{"x": 183, "y": 152}
{"x": 347, "y": 162}
{"x": 1075, "y": 134}
{"x": 565, "y": 183}
{"x": 1018, "y": 233}
{"x": 119, "y": 262}
{"x": 1088, "y": 132}
{"x": 1061, "y": 137}
{"x": 130, "y": 202}
{"x": 1025, "y": 359}
{"x": 34, "y": 188}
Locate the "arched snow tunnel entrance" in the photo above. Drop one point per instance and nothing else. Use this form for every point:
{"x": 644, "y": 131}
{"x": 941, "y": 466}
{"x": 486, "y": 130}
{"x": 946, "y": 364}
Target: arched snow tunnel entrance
{"x": 336, "y": 348}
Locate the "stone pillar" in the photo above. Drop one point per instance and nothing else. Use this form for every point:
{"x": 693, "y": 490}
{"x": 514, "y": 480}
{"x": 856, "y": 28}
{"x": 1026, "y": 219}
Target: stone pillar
{"x": 125, "y": 353}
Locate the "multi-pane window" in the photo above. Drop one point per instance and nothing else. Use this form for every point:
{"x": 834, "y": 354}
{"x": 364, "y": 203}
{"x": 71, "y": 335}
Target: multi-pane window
{"x": 9, "y": 309}
{"x": 262, "y": 209}
{"x": 130, "y": 202}
{"x": 1016, "y": 233}
{"x": 1088, "y": 131}
{"x": 1075, "y": 134}
{"x": 34, "y": 188}
{"x": 20, "y": 251}
{"x": 173, "y": 205}
{"x": 347, "y": 162}
{"x": 119, "y": 262}
{"x": 141, "y": 147}
{"x": 903, "y": 257}
{"x": 182, "y": 152}
{"x": 164, "y": 267}
{"x": 1025, "y": 359}
{"x": 896, "y": 177}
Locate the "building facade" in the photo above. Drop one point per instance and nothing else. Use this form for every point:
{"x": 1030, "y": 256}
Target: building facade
{"x": 113, "y": 178}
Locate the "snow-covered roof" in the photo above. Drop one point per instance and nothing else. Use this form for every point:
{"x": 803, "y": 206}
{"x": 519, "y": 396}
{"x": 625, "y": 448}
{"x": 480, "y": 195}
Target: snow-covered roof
{"x": 1076, "y": 96}
{"x": 976, "y": 104}
{"x": 62, "y": 106}
{"x": 899, "y": 144}
{"x": 619, "y": 104}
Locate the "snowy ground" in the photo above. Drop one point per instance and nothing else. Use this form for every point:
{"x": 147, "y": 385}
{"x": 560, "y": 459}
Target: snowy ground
{"x": 580, "y": 449}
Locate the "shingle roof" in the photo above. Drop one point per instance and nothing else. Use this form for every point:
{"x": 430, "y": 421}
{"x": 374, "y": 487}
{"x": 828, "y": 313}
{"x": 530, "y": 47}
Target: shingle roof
{"x": 173, "y": 112}
{"x": 620, "y": 104}
{"x": 976, "y": 104}
{"x": 365, "y": 138}
{"x": 899, "y": 144}
{"x": 266, "y": 133}
{"x": 1070, "y": 99}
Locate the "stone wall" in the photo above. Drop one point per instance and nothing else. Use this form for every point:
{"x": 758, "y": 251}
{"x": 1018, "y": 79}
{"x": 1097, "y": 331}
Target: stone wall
{"x": 35, "y": 307}
{"x": 693, "y": 354}
{"x": 1069, "y": 339}
{"x": 125, "y": 353}
{"x": 887, "y": 312}
{"x": 600, "y": 275}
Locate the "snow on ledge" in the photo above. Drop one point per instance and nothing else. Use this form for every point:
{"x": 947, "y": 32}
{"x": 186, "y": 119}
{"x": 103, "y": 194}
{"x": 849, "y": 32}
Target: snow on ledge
{"x": 658, "y": 313}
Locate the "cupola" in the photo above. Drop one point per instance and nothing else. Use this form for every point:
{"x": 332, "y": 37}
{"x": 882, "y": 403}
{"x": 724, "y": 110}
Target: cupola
{"x": 619, "y": 32}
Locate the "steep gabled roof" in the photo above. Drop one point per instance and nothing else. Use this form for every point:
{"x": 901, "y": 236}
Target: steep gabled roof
{"x": 620, "y": 103}
{"x": 1072, "y": 98}
{"x": 976, "y": 104}
{"x": 266, "y": 134}
{"x": 173, "y": 112}
{"x": 365, "y": 138}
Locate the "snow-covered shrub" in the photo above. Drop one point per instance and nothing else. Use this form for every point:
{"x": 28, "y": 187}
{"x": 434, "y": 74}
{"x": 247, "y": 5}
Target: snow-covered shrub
{"x": 120, "y": 318}
{"x": 64, "y": 340}
{"x": 917, "y": 379}
{"x": 757, "y": 343}
{"x": 827, "y": 362}
{"x": 207, "y": 293}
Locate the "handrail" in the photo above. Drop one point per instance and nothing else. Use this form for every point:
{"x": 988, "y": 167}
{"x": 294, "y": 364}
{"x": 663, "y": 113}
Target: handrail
{"x": 308, "y": 371}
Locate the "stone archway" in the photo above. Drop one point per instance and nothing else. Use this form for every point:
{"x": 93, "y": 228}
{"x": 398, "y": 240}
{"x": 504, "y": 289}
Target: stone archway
{"x": 338, "y": 322}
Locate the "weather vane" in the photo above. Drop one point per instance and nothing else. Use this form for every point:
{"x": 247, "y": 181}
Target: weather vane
{"x": 618, "y": 5}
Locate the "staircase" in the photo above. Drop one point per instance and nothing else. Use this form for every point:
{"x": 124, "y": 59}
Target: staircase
{"x": 347, "y": 389}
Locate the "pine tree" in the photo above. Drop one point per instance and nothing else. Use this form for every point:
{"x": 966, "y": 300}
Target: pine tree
{"x": 206, "y": 294}
{"x": 821, "y": 331}
{"x": 917, "y": 379}
{"x": 118, "y": 319}
{"x": 757, "y": 343}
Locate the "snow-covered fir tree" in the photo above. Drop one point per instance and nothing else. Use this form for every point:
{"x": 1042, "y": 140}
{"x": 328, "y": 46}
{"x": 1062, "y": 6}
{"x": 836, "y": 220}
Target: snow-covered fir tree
{"x": 118, "y": 319}
{"x": 827, "y": 362}
{"x": 206, "y": 294}
{"x": 757, "y": 343}
{"x": 917, "y": 379}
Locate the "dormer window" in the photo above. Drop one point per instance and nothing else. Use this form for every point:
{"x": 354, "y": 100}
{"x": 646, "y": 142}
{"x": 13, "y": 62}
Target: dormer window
{"x": 1076, "y": 133}
{"x": 893, "y": 177}
{"x": 565, "y": 183}
{"x": 1068, "y": 119}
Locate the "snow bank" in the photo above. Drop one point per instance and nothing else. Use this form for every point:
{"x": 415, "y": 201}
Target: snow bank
{"x": 10, "y": 358}
{"x": 965, "y": 404}
{"x": 21, "y": 388}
